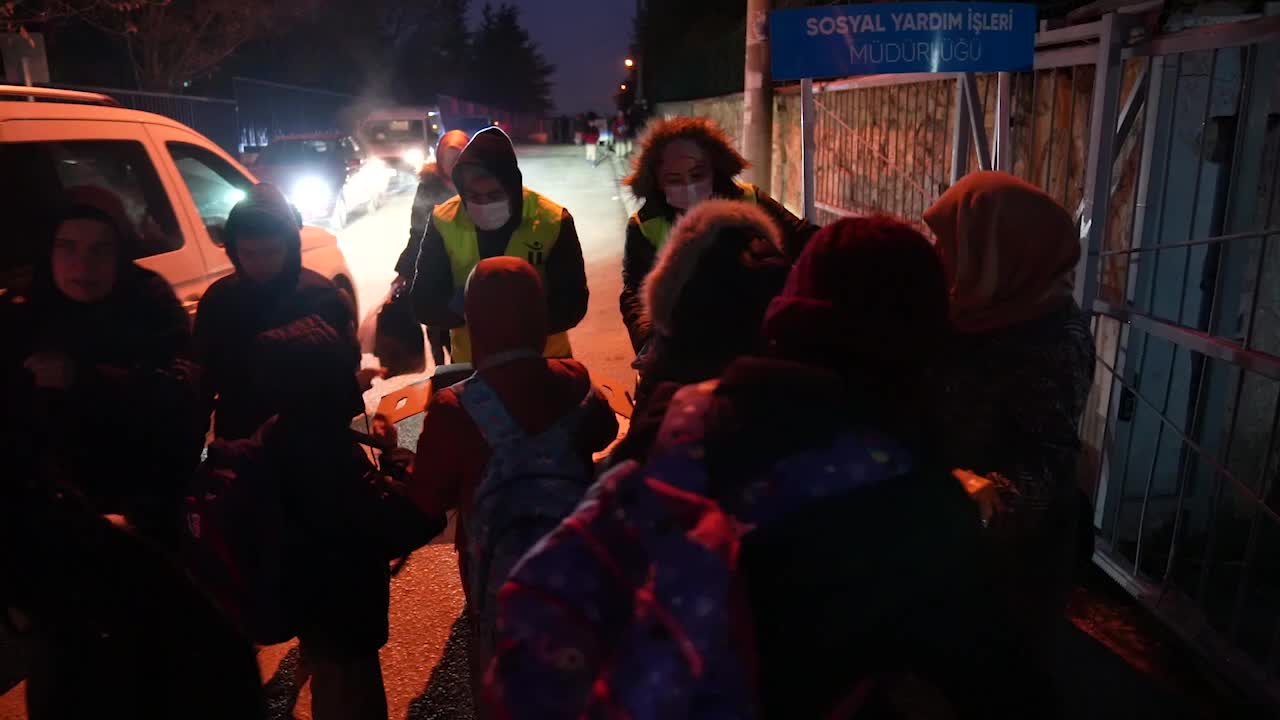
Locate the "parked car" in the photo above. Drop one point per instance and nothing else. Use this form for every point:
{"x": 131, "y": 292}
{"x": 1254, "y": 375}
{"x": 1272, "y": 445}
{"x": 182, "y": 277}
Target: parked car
{"x": 177, "y": 185}
{"x": 327, "y": 177}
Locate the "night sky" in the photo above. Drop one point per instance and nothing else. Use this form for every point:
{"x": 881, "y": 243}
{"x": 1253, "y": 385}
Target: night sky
{"x": 586, "y": 40}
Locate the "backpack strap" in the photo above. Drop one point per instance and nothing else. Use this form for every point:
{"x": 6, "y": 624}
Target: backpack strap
{"x": 561, "y": 432}
{"x": 487, "y": 412}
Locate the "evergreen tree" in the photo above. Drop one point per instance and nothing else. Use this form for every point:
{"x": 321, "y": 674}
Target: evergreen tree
{"x": 435, "y": 59}
{"x": 507, "y": 70}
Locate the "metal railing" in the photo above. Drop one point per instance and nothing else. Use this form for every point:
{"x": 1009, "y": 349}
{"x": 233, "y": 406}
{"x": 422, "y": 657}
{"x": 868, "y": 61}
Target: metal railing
{"x": 1188, "y": 336}
{"x": 214, "y": 118}
{"x": 268, "y": 110}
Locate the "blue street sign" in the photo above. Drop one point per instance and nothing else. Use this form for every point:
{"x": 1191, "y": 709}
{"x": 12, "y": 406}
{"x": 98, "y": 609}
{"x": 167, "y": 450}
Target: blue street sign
{"x": 901, "y": 38}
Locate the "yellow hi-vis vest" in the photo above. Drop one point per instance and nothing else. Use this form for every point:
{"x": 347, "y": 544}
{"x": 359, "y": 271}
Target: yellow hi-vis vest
{"x": 656, "y": 229}
{"x": 535, "y": 238}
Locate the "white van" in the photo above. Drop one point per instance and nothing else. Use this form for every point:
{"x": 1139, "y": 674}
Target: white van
{"x": 403, "y": 137}
{"x": 177, "y": 185}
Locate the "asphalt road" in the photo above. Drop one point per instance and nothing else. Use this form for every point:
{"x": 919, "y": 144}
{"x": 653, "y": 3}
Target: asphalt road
{"x": 425, "y": 661}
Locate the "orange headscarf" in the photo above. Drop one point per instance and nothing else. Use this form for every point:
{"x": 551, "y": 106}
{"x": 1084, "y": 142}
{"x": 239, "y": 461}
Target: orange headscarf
{"x": 1008, "y": 249}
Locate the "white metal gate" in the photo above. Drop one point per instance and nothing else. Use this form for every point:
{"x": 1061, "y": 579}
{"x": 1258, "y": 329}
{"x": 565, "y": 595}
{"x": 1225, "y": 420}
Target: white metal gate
{"x": 1167, "y": 148}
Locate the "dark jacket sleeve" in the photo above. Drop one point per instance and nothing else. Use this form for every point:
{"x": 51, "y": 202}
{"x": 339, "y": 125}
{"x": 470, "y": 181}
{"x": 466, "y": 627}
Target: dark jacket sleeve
{"x": 332, "y": 307}
{"x": 601, "y": 424}
{"x": 795, "y": 232}
{"x": 423, "y": 205}
{"x": 645, "y": 423}
{"x": 158, "y": 392}
{"x": 567, "y": 291}
{"x": 205, "y": 337}
{"x": 433, "y": 283}
{"x": 163, "y": 378}
{"x": 637, "y": 260}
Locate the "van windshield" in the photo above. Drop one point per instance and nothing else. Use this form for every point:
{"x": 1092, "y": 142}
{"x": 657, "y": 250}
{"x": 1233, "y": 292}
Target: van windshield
{"x": 395, "y": 131}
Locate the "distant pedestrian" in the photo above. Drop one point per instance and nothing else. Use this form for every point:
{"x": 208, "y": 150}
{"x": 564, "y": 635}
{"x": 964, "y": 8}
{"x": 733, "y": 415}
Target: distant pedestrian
{"x": 591, "y": 141}
{"x": 701, "y": 584}
{"x": 493, "y": 215}
{"x": 510, "y": 448}
{"x": 706, "y": 297}
{"x": 683, "y": 162}
{"x": 1014, "y": 381}
{"x": 269, "y": 289}
{"x": 621, "y": 135}
{"x": 100, "y": 390}
{"x": 435, "y": 185}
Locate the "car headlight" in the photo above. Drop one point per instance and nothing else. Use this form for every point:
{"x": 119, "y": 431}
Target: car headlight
{"x": 414, "y": 157}
{"x": 311, "y": 194}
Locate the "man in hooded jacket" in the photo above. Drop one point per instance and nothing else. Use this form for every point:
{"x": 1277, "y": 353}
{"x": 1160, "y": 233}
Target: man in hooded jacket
{"x": 496, "y": 215}
{"x": 269, "y": 289}
{"x": 100, "y": 393}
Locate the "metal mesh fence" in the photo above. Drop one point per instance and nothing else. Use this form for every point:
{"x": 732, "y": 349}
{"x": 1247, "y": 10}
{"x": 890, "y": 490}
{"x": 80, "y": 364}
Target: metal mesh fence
{"x": 1188, "y": 339}
{"x": 214, "y": 118}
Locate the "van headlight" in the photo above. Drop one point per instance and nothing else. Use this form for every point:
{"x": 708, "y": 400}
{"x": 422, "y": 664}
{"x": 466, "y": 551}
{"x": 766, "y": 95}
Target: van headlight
{"x": 311, "y": 195}
{"x": 414, "y": 157}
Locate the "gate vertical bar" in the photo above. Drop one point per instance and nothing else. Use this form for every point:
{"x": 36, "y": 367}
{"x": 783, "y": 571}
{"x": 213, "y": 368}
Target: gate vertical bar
{"x": 960, "y": 135}
{"x": 977, "y": 120}
{"x": 808, "y": 116}
{"x": 1004, "y": 143}
{"x": 1102, "y": 133}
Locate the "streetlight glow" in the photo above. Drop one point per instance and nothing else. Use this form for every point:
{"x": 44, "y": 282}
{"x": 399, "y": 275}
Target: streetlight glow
{"x": 629, "y": 62}
{"x": 623, "y": 87}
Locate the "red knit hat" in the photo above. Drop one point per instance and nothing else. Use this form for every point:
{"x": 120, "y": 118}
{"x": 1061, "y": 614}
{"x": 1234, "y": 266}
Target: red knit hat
{"x": 867, "y": 293}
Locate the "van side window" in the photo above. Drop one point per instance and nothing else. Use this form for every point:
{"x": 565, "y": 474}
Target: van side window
{"x": 215, "y": 184}
{"x": 31, "y": 197}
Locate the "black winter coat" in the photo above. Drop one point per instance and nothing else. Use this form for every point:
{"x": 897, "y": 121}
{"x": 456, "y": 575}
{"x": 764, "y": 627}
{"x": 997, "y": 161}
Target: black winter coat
{"x": 126, "y": 432}
{"x": 639, "y": 255}
{"x": 233, "y": 312}
{"x": 432, "y": 190}
{"x": 344, "y": 581}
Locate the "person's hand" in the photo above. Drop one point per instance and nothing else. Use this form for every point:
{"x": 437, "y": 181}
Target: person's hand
{"x": 51, "y": 370}
{"x": 365, "y": 376}
{"x": 984, "y": 492}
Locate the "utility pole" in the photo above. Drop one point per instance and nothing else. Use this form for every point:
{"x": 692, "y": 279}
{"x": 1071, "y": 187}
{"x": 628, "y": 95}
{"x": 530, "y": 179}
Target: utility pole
{"x": 757, "y": 105}
{"x": 639, "y": 58}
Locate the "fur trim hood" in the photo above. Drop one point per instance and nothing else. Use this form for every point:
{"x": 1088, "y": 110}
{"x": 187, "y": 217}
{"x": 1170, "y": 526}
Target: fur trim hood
{"x": 692, "y": 239}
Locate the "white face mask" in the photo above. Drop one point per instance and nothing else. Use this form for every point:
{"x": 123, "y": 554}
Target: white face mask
{"x": 686, "y": 196}
{"x": 490, "y": 216}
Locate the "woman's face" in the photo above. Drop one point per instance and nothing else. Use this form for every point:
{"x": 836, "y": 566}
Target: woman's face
{"x": 683, "y": 162}
{"x": 261, "y": 257}
{"x": 448, "y": 160}
{"x": 85, "y": 259}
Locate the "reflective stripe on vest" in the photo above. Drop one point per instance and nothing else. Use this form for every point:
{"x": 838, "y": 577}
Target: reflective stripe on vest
{"x": 656, "y": 229}
{"x": 533, "y": 240}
